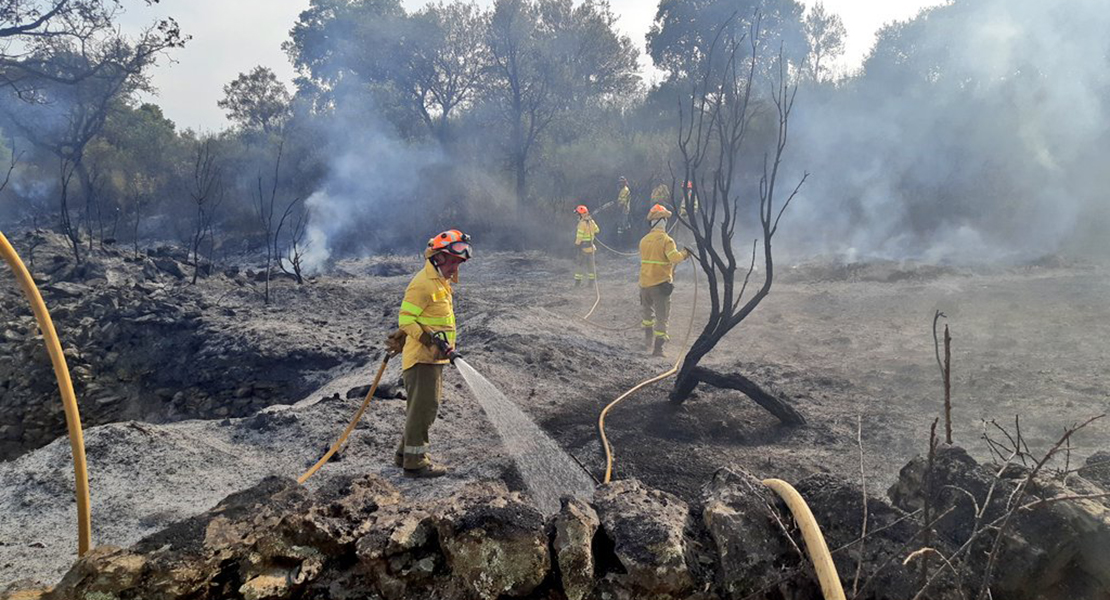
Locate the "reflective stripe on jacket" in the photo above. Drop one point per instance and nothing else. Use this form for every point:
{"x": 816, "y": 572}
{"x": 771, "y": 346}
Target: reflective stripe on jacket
{"x": 427, "y": 307}
{"x": 587, "y": 229}
{"x": 658, "y": 256}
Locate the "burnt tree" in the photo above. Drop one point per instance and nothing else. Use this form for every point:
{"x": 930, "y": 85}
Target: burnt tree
{"x": 714, "y": 127}
{"x": 206, "y": 192}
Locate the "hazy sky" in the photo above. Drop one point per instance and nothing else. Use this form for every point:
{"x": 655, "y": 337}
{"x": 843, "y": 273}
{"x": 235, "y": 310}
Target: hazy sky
{"x": 233, "y": 36}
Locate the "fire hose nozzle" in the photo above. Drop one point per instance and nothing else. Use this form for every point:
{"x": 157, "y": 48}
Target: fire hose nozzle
{"x": 445, "y": 347}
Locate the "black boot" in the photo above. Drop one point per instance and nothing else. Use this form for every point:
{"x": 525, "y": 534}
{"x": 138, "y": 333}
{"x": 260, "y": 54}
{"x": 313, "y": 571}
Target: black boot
{"x": 577, "y": 283}
{"x": 659, "y": 341}
{"x": 649, "y": 335}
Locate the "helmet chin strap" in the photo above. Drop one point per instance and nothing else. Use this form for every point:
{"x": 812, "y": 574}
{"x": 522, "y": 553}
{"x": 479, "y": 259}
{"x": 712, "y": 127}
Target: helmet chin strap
{"x": 436, "y": 263}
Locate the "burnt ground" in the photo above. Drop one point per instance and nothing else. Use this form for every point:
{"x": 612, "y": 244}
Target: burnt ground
{"x": 837, "y": 341}
{"x": 840, "y": 343}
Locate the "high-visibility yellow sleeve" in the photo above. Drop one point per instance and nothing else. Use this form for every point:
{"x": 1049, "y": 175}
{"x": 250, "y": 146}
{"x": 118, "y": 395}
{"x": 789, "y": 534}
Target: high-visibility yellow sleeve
{"x": 673, "y": 253}
{"x": 411, "y": 308}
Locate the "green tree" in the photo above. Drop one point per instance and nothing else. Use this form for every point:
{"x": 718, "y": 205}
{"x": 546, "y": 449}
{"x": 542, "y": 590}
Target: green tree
{"x": 550, "y": 58}
{"x": 257, "y": 100}
{"x": 446, "y": 71}
{"x": 826, "y": 35}
{"x": 680, "y": 38}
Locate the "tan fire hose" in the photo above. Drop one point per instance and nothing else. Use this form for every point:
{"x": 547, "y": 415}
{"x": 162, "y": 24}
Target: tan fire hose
{"x": 818, "y": 550}
{"x": 597, "y": 299}
{"x": 65, "y": 386}
{"x": 350, "y": 426}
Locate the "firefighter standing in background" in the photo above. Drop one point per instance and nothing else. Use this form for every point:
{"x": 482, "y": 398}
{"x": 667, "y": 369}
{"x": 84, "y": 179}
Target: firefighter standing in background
{"x": 658, "y": 256}
{"x": 661, "y": 194}
{"x": 426, "y": 339}
{"x": 585, "y": 261}
{"x": 624, "y": 201}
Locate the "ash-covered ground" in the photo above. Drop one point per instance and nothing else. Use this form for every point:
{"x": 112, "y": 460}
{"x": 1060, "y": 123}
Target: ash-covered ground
{"x": 838, "y": 342}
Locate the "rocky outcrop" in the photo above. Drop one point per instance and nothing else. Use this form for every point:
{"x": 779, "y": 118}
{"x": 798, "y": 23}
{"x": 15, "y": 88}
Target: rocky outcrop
{"x": 360, "y": 538}
{"x": 1053, "y": 548}
{"x": 141, "y": 344}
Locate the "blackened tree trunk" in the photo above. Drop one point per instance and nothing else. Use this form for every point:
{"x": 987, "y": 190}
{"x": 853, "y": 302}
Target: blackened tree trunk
{"x": 713, "y": 128}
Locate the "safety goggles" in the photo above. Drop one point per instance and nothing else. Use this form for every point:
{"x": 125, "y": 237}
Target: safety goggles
{"x": 460, "y": 248}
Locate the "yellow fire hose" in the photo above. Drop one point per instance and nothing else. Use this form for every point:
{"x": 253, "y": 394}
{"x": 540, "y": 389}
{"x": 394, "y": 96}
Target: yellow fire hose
{"x": 818, "y": 550}
{"x": 605, "y": 411}
{"x": 597, "y": 299}
{"x": 65, "y": 386}
{"x": 815, "y": 544}
{"x": 350, "y": 426}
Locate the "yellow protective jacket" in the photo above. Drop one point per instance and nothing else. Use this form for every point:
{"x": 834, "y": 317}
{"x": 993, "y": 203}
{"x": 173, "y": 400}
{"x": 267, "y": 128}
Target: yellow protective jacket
{"x": 624, "y": 199}
{"x": 658, "y": 256}
{"x": 427, "y": 308}
{"x": 661, "y": 194}
{"x": 587, "y": 229}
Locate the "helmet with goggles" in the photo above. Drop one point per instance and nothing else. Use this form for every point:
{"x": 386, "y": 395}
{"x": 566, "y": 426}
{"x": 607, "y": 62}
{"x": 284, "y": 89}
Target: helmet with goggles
{"x": 452, "y": 242}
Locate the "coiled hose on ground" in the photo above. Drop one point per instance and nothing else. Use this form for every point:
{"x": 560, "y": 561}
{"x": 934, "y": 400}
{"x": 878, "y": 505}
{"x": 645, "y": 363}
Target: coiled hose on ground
{"x": 65, "y": 386}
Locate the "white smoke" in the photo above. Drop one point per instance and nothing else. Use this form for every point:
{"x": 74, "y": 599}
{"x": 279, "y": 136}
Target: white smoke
{"x": 373, "y": 180}
{"x": 982, "y": 150}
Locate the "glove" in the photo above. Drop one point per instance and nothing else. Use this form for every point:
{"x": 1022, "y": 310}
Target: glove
{"x": 395, "y": 343}
{"x": 688, "y": 251}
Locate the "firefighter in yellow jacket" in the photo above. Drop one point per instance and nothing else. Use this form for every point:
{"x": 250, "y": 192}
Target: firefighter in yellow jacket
{"x": 585, "y": 261}
{"x": 426, "y": 339}
{"x": 658, "y": 256}
{"x": 624, "y": 202}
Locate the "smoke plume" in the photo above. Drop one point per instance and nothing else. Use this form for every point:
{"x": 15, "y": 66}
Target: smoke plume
{"x": 974, "y": 132}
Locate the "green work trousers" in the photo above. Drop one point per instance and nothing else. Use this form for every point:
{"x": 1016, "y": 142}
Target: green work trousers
{"x": 655, "y": 306}
{"x": 424, "y": 387}
{"x": 586, "y": 265}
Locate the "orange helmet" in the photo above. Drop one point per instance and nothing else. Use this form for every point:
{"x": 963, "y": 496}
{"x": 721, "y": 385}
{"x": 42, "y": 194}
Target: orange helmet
{"x": 689, "y": 185}
{"x": 658, "y": 212}
{"x": 582, "y": 210}
{"x": 452, "y": 241}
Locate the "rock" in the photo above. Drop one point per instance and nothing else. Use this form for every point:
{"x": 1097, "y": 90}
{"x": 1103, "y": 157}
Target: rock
{"x": 102, "y": 570}
{"x": 740, "y": 514}
{"x": 646, "y": 528}
{"x": 70, "y": 290}
{"x": 575, "y": 526}
{"x": 274, "y": 583}
{"x": 494, "y": 543}
{"x": 344, "y": 518}
{"x": 1047, "y": 544}
{"x": 400, "y": 552}
{"x": 1097, "y": 468}
{"x": 169, "y": 266}
{"x": 385, "y": 391}
{"x": 837, "y": 505}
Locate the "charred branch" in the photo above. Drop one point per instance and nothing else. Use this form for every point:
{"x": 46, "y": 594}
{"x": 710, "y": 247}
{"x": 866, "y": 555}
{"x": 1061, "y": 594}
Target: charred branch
{"x": 734, "y": 381}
